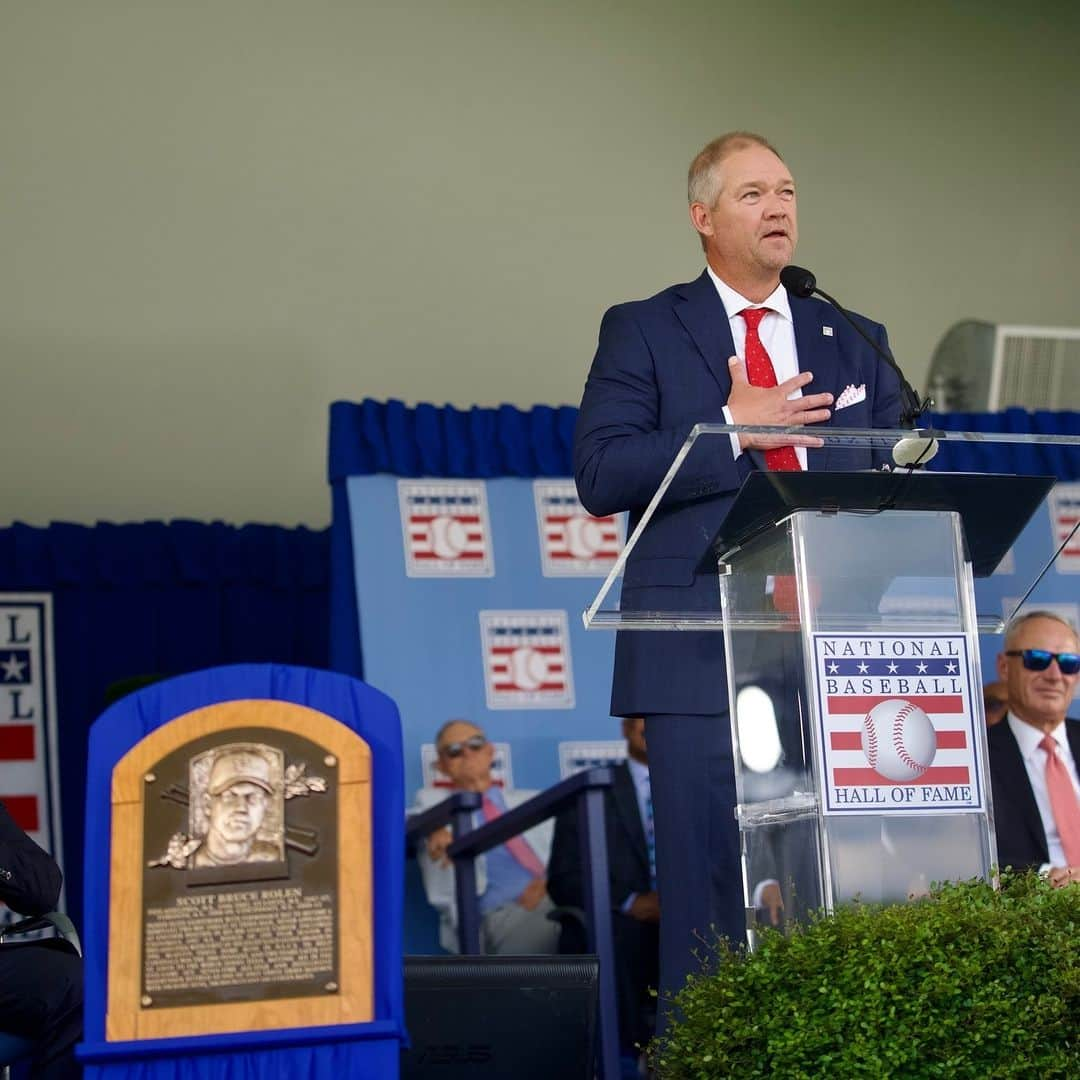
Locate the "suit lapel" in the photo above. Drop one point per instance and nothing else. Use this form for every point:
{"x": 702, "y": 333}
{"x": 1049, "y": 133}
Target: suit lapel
{"x": 626, "y": 806}
{"x": 700, "y": 310}
{"x": 702, "y": 313}
{"x": 1010, "y": 767}
{"x": 1072, "y": 733}
{"x": 817, "y": 352}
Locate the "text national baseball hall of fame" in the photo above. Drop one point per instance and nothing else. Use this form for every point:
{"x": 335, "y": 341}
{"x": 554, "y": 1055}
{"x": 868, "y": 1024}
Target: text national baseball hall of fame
{"x": 897, "y": 724}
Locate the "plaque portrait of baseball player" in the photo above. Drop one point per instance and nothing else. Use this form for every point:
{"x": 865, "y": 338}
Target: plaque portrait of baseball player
{"x": 236, "y": 807}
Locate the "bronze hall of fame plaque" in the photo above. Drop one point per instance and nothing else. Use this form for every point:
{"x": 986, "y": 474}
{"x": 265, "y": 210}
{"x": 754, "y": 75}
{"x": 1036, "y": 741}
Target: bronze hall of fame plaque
{"x": 243, "y": 898}
{"x": 241, "y": 902}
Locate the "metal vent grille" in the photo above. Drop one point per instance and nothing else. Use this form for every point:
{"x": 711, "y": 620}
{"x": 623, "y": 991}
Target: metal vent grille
{"x": 1036, "y": 370}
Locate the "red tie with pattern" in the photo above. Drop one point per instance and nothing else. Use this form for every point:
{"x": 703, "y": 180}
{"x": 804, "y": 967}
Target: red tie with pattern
{"x": 760, "y": 372}
{"x": 1063, "y": 801}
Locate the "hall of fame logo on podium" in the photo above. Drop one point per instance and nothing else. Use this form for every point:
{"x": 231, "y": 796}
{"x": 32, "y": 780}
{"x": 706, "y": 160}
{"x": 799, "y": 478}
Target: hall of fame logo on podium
{"x": 897, "y": 724}
{"x": 526, "y": 660}
{"x": 573, "y": 543}
{"x": 445, "y": 528}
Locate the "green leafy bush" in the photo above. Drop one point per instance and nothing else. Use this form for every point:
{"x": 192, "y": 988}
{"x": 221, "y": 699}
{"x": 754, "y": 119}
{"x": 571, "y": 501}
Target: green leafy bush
{"x": 970, "y": 982}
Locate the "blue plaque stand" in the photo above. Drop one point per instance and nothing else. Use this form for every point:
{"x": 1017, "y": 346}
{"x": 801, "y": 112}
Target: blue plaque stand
{"x": 354, "y": 1050}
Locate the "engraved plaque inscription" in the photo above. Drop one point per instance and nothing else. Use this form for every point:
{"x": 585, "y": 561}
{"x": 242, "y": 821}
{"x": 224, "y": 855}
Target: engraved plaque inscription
{"x": 240, "y": 875}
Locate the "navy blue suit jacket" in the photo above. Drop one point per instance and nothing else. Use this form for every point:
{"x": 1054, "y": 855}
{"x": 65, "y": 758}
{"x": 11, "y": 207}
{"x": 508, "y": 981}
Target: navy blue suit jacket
{"x": 661, "y": 367}
{"x": 627, "y": 849}
{"x": 1021, "y": 838}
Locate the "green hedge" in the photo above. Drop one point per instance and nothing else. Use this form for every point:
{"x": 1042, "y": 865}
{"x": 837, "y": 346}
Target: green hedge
{"x": 968, "y": 983}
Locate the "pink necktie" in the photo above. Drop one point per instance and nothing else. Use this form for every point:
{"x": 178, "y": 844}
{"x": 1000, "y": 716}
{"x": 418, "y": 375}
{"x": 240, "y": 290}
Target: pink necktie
{"x": 1063, "y": 801}
{"x": 760, "y": 372}
{"x": 518, "y": 846}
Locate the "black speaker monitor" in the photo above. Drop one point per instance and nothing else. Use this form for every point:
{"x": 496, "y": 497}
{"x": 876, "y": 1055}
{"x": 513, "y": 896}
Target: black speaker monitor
{"x": 478, "y": 1017}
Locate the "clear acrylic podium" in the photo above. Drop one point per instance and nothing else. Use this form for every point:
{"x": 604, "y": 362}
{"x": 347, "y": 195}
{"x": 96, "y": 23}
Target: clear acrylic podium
{"x": 847, "y": 606}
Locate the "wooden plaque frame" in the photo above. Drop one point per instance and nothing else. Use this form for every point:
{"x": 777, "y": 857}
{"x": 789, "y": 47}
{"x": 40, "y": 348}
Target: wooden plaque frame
{"x": 126, "y": 1018}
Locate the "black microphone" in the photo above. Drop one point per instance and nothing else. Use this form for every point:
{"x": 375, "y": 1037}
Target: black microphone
{"x": 802, "y": 283}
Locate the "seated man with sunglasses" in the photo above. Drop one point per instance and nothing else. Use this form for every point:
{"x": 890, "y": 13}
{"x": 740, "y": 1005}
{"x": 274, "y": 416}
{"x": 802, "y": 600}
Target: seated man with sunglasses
{"x": 511, "y": 879}
{"x": 1035, "y": 752}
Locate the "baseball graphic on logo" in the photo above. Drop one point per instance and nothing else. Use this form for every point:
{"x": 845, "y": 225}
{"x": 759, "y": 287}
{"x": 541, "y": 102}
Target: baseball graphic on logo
{"x": 448, "y": 537}
{"x": 898, "y": 740}
{"x": 528, "y": 668}
{"x": 584, "y": 537}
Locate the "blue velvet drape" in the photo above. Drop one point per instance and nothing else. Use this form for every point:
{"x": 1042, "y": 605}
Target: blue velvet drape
{"x": 163, "y": 599}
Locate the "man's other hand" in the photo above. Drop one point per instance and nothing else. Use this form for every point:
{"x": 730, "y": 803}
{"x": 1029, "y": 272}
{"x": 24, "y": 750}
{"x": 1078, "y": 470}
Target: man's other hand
{"x": 436, "y": 844}
{"x": 645, "y": 907}
{"x": 533, "y": 893}
{"x": 769, "y": 406}
{"x": 1064, "y": 875}
{"x": 773, "y": 902}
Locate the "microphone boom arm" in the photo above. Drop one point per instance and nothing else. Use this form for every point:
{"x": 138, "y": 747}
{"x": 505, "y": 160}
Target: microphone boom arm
{"x": 913, "y": 407}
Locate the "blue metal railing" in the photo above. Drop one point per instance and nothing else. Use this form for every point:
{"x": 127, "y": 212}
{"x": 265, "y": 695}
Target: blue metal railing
{"x": 584, "y": 791}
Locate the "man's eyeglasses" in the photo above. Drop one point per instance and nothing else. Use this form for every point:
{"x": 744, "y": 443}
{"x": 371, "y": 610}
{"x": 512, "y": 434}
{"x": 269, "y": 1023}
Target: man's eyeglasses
{"x": 1039, "y": 659}
{"x": 456, "y": 749}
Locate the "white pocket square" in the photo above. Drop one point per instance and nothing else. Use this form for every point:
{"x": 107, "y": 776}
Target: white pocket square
{"x": 852, "y": 395}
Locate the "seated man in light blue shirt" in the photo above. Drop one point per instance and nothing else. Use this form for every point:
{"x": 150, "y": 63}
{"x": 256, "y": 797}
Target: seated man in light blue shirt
{"x": 511, "y": 879}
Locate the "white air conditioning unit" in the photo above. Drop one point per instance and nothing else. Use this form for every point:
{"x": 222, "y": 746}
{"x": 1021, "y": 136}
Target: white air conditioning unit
{"x": 980, "y": 367}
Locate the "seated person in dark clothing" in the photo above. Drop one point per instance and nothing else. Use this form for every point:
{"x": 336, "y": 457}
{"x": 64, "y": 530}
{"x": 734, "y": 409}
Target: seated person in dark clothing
{"x": 41, "y": 982}
{"x": 632, "y": 879}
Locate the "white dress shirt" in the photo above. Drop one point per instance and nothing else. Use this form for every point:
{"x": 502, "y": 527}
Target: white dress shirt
{"x": 1028, "y": 739}
{"x": 777, "y": 333}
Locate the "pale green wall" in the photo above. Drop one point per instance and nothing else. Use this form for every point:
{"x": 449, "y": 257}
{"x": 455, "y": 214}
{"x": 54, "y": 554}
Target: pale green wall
{"x": 217, "y": 217}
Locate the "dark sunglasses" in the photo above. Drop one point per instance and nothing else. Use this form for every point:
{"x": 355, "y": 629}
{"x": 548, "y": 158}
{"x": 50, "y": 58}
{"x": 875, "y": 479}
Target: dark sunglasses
{"x": 456, "y": 749}
{"x": 1039, "y": 659}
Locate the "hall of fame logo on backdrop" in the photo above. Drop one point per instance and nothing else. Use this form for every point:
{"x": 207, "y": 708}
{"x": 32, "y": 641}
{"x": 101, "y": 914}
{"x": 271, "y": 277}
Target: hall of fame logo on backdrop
{"x": 527, "y": 660}
{"x": 29, "y": 778}
{"x": 445, "y": 528}
{"x": 573, "y": 543}
{"x": 502, "y": 773}
{"x": 897, "y": 724}
{"x": 1064, "y": 514}
{"x": 577, "y": 756}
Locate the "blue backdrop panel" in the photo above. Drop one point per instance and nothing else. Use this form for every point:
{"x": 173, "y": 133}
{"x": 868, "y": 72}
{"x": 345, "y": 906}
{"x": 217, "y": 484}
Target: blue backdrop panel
{"x": 422, "y": 640}
{"x": 361, "y": 1050}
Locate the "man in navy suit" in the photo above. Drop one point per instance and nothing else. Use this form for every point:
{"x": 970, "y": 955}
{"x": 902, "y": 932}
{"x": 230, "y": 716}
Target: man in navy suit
{"x": 694, "y": 353}
{"x": 1036, "y": 799}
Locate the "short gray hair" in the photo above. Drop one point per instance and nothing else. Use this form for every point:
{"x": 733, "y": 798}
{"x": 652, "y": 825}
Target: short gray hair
{"x": 1019, "y": 620}
{"x": 449, "y": 724}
